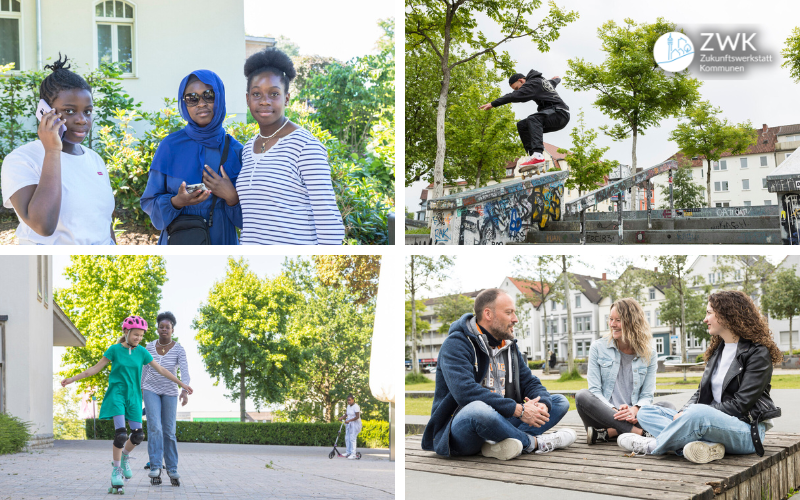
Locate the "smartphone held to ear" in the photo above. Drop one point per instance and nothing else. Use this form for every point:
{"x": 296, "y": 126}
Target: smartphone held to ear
{"x": 44, "y": 108}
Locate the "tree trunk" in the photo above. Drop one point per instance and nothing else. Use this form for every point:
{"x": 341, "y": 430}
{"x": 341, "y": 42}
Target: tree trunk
{"x": 634, "y": 189}
{"x": 478, "y": 176}
{"x": 570, "y": 361}
{"x": 683, "y": 328}
{"x": 708, "y": 182}
{"x": 441, "y": 145}
{"x": 791, "y": 348}
{"x": 242, "y": 394}
{"x": 414, "y": 358}
{"x": 546, "y": 327}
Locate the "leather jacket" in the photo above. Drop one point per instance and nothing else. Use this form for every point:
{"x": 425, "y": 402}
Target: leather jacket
{"x": 746, "y": 383}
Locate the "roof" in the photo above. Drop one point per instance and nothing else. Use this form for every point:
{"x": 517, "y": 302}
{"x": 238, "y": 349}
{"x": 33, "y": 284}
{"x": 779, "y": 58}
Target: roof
{"x": 765, "y": 143}
{"x": 553, "y": 151}
{"x": 438, "y": 300}
{"x": 528, "y": 288}
{"x": 591, "y": 292}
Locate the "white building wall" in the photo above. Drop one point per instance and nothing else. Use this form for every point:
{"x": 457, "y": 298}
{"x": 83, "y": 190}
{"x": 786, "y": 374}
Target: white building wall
{"x": 581, "y": 339}
{"x": 780, "y": 327}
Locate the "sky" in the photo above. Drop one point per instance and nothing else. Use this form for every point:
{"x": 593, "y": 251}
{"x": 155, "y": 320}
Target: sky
{"x": 189, "y": 279}
{"x": 343, "y": 29}
{"x": 769, "y": 96}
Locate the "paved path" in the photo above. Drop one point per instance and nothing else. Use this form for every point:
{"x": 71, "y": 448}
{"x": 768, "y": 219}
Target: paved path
{"x": 82, "y": 470}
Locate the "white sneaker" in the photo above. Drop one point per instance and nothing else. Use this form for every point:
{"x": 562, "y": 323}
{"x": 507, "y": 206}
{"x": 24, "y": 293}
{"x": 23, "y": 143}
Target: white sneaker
{"x": 352, "y": 457}
{"x": 555, "y": 440}
{"x": 701, "y": 452}
{"x": 504, "y": 450}
{"x": 637, "y": 444}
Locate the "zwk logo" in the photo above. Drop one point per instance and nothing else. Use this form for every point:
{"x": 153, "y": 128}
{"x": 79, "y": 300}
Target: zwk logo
{"x": 673, "y": 52}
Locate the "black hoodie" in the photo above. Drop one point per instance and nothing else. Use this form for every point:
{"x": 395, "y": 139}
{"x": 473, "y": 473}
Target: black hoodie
{"x": 536, "y": 89}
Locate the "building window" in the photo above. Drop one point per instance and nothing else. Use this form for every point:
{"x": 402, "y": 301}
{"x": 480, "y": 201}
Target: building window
{"x": 652, "y": 294}
{"x": 605, "y": 322}
{"x": 564, "y": 324}
{"x": 716, "y": 165}
{"x": 723, "y": 204}
{"x": 785, "y": 339}
{"x": 647, "y": 315}
{"x": 659, "y": 345}
{"x": 579, "y": 350}
{"x": 764, "y": 182}
{"x": 577, "y": 301}
{"x": 763, "y": 160}
{"x": 745, "y": 184}
{"x": 711, "y": 278}
{"x": 738, "y": 275}
{"x": 114, "y": 24}
{"x": 510, "y": 172}
{"x": 692, "y": 342}
{"x": 747, "y": 203}
{"x": 658, "y": 318}
{"x": 743, "y": 162}
{"x": 10, "y": 40}
{"x": 723, "y": 165}
{"x": 578, "y": 324}
{"x": 720, "y": 185}
{"x": 587, "y": 323}
{"x": 553, "y": 305}
{"x": 767, "y": 202}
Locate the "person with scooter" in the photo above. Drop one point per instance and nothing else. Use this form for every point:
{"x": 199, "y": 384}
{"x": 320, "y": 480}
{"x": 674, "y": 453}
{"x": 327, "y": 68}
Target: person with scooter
{"x": 352, "y": 418}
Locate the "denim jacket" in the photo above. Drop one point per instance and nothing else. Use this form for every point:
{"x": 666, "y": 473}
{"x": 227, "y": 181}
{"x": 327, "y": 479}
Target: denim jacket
{"x": 603, "y": 369}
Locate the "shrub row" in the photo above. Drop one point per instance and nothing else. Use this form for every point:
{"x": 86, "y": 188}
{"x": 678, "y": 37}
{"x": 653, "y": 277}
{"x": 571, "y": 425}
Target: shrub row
{"x": 14, "y": 434}
{"x": 535, "y": 365}
{"x": 374, "y": 434}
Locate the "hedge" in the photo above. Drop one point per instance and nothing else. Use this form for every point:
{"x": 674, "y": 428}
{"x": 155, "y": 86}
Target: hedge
{"x": 374, "y": 434}
{"x": 535, "y": 365}
{"x": 15, "y": 434}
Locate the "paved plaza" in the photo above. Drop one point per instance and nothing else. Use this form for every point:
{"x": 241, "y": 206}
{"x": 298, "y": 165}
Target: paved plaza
{"x": 82, "y": 470}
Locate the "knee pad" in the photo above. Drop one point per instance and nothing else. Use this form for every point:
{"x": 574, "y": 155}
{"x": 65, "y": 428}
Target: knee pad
{"x": 120, "y": 437}
{"x": 137, "y": 436}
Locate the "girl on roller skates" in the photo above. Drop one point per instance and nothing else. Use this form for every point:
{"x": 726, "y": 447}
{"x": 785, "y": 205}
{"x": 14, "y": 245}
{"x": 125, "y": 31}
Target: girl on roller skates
{"x": 123, "y": 399}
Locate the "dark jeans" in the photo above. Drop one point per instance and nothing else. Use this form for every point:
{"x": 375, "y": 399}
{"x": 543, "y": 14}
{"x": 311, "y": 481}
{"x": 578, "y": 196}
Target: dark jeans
{"x": 531, "y": 129}
{"x": 595, "y": 413}
{"x": 478, "y": 422}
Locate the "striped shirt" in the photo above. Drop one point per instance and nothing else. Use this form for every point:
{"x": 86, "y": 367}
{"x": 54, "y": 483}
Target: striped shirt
{"x": 158, "y": 384}
{"x": 286, "y": 194}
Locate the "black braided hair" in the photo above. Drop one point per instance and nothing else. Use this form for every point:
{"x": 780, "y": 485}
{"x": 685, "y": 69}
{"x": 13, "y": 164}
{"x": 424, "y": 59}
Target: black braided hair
{"x": 60, "y": 79}
{"x": 272, "y": 60}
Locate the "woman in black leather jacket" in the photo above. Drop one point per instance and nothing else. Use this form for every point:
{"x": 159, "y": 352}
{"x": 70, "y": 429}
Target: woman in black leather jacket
{"x": 731, "y": 409}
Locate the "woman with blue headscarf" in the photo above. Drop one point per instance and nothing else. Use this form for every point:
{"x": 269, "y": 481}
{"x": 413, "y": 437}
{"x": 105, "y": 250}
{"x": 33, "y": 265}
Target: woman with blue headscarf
{"x": 192, "y": 156}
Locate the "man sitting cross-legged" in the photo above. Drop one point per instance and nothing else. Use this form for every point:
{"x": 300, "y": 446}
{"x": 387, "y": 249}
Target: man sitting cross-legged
{"x": 486, "y": 398}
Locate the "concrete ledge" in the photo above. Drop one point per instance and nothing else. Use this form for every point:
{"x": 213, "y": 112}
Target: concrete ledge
{"x": 691, "y": 223}
{"x": 418, "y": 239}
{"x": 684, "y": 213}
{"x": 695, "y": 237}
{"x": 40, "y": 442}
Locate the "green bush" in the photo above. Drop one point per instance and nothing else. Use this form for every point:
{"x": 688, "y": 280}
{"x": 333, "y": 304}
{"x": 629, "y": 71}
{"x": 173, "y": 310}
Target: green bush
{"x": 14, "y": 434}
{"x": 373, "y": 433}
{"x": 419, "y": 230}
{"x": 416, "y": 378}
{"x": 699, "y": 359}
{"x": 536, "y": 365}
{"x": 573, "y": 375}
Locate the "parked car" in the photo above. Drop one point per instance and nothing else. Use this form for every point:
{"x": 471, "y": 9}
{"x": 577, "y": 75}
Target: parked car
{"x": 669, "y": 359}
{"x": 430, "y": 369}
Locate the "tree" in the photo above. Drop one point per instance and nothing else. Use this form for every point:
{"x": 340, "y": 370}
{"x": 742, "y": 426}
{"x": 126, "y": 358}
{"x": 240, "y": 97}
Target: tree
{"x": 780, "y": 297}
{"x": 669, "y": 311}
{"x": 539, "y": 270}
{"x": 743, "y": 272}
{"x": 445, "y": 24}
{"x": 791, "y": 54}
{"x": 421, "y": 272}
{"x": 242, "y": 335}
{"x": 703, "y": 134}
{"x": 632, "y": 89}
{"x": 66, "y": 422}
{"x": 357, "y": 273}
{"x": 422, "y": 325}
{"x": 450, "y": 309}
{"x": 587, "y": 169}
{"x": 629, "y": 283}
{"x": 287, "y": 46}
{"x": 672, "y": 272}
{"x": 103, "y": 291}
{"x": 685, "y": 192}
{"x": 336, "y": 335}
{"x": 307, "y": 67}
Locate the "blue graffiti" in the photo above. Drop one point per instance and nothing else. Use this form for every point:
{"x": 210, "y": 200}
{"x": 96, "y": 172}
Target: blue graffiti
{"x": 515, "y": 223}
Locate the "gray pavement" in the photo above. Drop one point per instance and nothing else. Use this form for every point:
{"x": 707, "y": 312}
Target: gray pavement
{"x": 424, "y": 485}
{"x": 82, "y": 470}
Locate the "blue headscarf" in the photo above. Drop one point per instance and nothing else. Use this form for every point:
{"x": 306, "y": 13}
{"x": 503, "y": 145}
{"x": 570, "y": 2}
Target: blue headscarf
{"x": 175, "y": 152}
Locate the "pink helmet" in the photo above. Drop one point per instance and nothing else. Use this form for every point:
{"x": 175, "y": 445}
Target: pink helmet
{"x": 134, "y": 322}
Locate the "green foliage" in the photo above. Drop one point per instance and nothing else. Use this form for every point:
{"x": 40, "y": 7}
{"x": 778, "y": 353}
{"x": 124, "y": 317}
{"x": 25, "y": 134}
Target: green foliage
{"x": 631, "y": 88}
{"x": 568, "y": 376}
{"x": 587, "y": 168}
{"x": 419, "y": 230}
{"x": 791, "y": 54}
{"x": 422, "y": 325}
{"x": 357, "y": 273}
{"x": 743, "y": 272}
{"x": 780, "y": 296}
{"x": 417, "y": 378}
{"x": 242, "y": 335}
{"x": 630, "y": 282}
{"x": 373, "y": 433}
{"x": 699, "y": 359}
{"x": 103, "y": 291}
{"x": 14, "y": 433}
{"x": 306, "y": 67}
{"x": 288, "y": 46}
{"x": 536, "y": 365}
{"x": 108, "y": 96}
{"x": 450, "y": 309}
{"x": 66, "y": 423}
{"x": 685, "y": 192}
{"x": 19, "y": 95}
{"x": 422, "y": 272}
{"x": 703, "y": 134}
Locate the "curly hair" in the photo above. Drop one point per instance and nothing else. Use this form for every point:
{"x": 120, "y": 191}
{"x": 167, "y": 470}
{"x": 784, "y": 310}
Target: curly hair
{"x": 166, "y": 315}
{"x": 60, "y": 79}
{"x": 738, "y": 313}
{"x": 270, "y": 60}
{"x": 635, "y": 330}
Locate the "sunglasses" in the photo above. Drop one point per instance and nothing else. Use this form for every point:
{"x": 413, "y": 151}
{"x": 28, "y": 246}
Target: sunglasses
{"x": 193, "y": 99}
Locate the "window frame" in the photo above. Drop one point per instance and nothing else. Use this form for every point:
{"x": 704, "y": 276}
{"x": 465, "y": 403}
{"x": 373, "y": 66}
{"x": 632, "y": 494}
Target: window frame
{"x": 20, "y": 17}
{"x": 743, "y": 163}
{"x": 747, "y": 183}
{"x": 763, "y": 161}
{"x": 659, "y": 345}
{"x": 113, "y": 22}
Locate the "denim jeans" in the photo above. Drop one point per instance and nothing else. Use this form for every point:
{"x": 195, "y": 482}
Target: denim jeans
{"x": 698, "y": 423}
{"x": 478, "y": 422}
{"x": 351, "y": 437}
{"x": 161, "y": 443}
{"x": 595, "y": 413}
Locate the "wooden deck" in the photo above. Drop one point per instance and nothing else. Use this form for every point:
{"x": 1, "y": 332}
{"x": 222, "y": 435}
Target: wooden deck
{"x": 605, "y": 469}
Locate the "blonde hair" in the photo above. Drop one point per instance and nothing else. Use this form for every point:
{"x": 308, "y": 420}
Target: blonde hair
{"x": 635, "y": 330}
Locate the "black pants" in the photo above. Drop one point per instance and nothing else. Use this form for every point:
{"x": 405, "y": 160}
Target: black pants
{"x": 596, "y": 414}
{"x": 531, "y": 129}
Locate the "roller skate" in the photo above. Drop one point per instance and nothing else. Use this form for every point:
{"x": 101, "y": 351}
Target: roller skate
{"x": 155, "y": 476}
{"x": 126, "y": 466}
{"x": 117, "y": 481}
{"x": 174, "y": 477}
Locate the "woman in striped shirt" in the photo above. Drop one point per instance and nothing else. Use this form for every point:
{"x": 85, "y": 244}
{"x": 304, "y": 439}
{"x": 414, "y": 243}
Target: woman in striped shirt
{"x": 285, "y": 185}
{"x": 161, "y": 397}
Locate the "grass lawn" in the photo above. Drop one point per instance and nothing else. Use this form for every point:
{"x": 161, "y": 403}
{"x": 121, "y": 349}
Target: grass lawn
{"x": 422, "y": 406}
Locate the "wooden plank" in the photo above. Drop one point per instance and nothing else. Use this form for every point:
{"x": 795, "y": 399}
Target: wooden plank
{"x": 597, "y": 483}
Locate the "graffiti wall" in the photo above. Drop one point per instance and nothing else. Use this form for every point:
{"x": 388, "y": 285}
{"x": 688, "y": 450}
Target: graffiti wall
{"x": 790, "y": 218}
{"x": 506, "y": 218}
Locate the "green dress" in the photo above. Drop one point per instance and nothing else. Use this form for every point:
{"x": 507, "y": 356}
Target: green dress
{"x": 124, "y": 393}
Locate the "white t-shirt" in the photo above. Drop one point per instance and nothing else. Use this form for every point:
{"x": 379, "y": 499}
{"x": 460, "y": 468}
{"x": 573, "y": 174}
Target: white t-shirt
{"x": 351, "y": 412}
{"x": 87, "y": 203}
{"x": 718, "y": 377}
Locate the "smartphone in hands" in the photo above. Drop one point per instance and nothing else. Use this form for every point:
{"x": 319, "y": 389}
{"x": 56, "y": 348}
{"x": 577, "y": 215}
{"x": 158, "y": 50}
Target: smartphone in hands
{"x": 44, "y": 108}
{"x": 191, "y": 188}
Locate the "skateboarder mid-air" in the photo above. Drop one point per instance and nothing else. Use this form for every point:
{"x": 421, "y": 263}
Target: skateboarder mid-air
{"x": 551, "y": 115}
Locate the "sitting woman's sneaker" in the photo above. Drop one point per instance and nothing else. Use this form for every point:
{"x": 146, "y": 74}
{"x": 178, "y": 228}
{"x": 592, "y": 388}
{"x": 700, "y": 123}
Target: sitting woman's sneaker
{"x": 504, "y": 450}
{"x": 637, "y": 444}
{"x": 594, "y": 436}
{"x": 554, "y": 440}
{"x": 701, "y": 452}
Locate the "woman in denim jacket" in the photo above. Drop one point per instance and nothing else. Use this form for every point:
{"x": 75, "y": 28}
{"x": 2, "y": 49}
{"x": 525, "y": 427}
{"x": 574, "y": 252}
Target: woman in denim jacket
{"x": 622, "y": 375}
